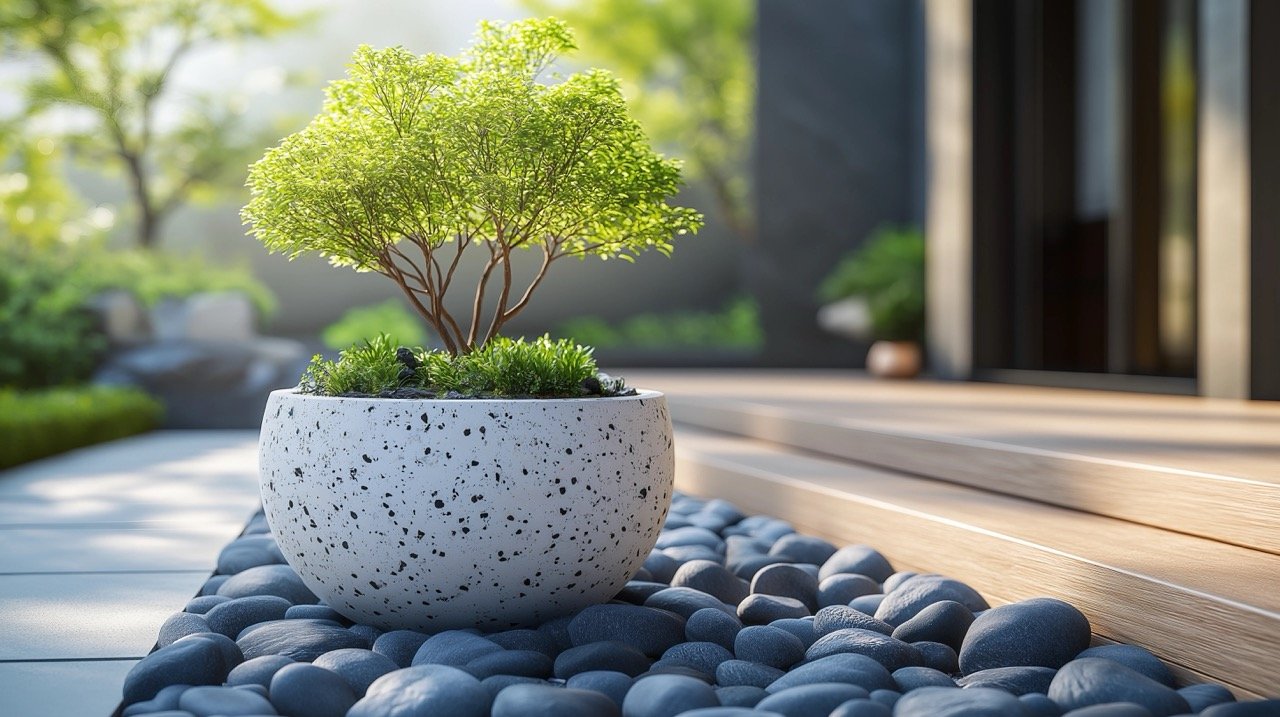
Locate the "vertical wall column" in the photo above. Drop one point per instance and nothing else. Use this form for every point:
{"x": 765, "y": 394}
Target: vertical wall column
{"x": 1224, "y": 207}
{"x": 949, "y": 205}
{"x": 834, "y": 155}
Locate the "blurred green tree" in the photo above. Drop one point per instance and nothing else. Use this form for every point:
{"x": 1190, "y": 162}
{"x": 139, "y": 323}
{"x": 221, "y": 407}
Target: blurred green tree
{"x": 691, "y": 62}
{"x": 111, "y": 63}
{"x": 37, "y": 207}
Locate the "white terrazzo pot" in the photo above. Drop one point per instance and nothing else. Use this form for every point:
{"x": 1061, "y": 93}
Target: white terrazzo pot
{"x": 434, "y": 514}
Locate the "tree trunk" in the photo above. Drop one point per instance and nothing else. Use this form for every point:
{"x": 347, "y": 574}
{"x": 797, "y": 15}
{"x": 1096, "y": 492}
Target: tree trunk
{"x": 148, "y": 218}
{"x": 148, "y": 228}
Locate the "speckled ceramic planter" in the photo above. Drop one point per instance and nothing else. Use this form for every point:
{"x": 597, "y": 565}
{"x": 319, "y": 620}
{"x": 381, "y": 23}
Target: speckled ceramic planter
{"x": 434, "y": 514}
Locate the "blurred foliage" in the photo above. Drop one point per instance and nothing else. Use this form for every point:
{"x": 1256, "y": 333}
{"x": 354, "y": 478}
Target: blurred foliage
{"x": 103, "y": 70}
{"x": 37, "y": 208}
{"x": 366, "y": 322}
{"x": 888, "y": 272}
{"x": 36, "y": 424}
{"x": 48, "y": 336}
{"x": 688, "y": 70}
{"x": 503, "y": 367}
{"x": 153, "y": 276}
{"x": 736, "y": 326}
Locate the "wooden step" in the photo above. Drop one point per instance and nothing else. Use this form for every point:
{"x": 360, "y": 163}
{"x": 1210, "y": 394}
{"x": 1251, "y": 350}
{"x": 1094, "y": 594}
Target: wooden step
{"x": 1209, "y": 468}
{"x": 1210, "y": 609}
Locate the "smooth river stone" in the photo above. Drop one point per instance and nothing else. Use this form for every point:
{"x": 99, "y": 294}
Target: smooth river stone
{"x": 529, "y": 700}
{"x": 302, "y": 640}
{"x": 802, "y": 549}
{"x": 652, "y": 631}
{"x": 436, "y": 690}
{"x": 789, "y": 581}
{"x": 278, "y": 580}
{"x": 891, "y": 653}
{"x": 768, "y": 645}
{"x": 301, "y": 690}
{"x": 858, "y": 560}
{"x": 711, "y": 625}
{"x": 842, "y": 588}
{"x": 920, "y": 591}
{"x": 360, "y": 668}
{"x": 1094, "y": 680}
{"x": 667, "y": 696}
{"x": 945, "y": 621}
{"x": 950, "y": 702}
{"x": 849, "y": 668}
{"x": 711, "y": 578}
{"x": 1041, "y": 632}
{"x": 815, "y": 699}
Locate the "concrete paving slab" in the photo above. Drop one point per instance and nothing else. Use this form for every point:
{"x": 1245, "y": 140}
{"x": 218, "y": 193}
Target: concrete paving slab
{"x": 166, "y": 477}
{"x": 98, "y": 547}
{"x": 141, "y": 547}
{"x": 61, "y": 616}
{"x": 61, "y": 689}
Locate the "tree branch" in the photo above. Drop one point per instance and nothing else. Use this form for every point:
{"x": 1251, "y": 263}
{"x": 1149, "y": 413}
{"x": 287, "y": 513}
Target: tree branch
{"x": 478, "y": 305}
{"x": 548, "y": 256}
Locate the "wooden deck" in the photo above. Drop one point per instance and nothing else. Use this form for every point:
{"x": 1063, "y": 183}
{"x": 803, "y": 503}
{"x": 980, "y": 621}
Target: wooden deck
{"x": 1159, "y": 516}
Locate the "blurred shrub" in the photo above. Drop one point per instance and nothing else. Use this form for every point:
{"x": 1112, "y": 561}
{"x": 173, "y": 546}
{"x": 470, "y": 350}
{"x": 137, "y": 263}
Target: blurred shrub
{"x": 735, "y": 326}
{"x": 42, "y": 423}
{"x": 46, "y": 334}
{"x": 152, "y": 276}
{"x": 365, "y": 323}
{"x": 887, "y": 271}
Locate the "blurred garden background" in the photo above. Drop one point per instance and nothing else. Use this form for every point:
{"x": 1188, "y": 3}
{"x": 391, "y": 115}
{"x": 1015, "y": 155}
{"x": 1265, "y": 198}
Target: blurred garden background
{"x": 1083, "y": 215}
{"x": 127, "y": 128}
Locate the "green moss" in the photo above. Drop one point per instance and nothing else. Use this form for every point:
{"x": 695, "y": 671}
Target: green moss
{"x": 36, "y": 424}
{"x": 503, "y": 367}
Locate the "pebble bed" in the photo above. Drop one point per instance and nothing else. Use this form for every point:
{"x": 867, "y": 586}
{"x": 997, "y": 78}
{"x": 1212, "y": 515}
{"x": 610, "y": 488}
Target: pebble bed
{"x": 731, "y": 615}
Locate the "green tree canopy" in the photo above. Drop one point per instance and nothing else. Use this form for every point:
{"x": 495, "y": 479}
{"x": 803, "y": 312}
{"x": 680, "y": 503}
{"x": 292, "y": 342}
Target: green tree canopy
{"x": 415, "y": 159}
{"x": 690, "y": 77}
{"x": 111, "y": 63}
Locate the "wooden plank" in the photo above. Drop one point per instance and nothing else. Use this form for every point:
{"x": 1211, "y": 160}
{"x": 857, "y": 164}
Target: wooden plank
{"x": 1234, "y": 510}
{"x": 1239, "y": 439}
{"x": 1207, "y": 607}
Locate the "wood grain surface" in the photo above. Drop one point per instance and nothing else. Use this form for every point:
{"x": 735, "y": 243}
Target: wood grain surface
{"x": 1201, "y": 466}
{"x": 1210, "y": 609}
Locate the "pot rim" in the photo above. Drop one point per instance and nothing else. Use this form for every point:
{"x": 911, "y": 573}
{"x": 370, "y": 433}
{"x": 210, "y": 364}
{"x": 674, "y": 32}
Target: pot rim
{"x": 641, "y": 394}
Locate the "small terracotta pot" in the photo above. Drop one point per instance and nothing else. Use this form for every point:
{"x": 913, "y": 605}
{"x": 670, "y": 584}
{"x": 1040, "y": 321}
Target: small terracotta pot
{"x": 894, "y": 359}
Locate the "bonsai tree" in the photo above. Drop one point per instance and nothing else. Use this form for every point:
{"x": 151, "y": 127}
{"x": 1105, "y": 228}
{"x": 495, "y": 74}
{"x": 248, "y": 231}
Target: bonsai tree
{"x": 888, "y": 274}
{"x": 416, "y": 160}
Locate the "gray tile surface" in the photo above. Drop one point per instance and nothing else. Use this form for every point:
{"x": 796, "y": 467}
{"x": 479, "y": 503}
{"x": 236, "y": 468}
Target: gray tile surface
{"x": 76, "y": 615}
{"x": 98, "y": 547}
{"x": 63, "y": 550}
{"x": 61, "y": 689}
{"x": 169, "y": 477}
